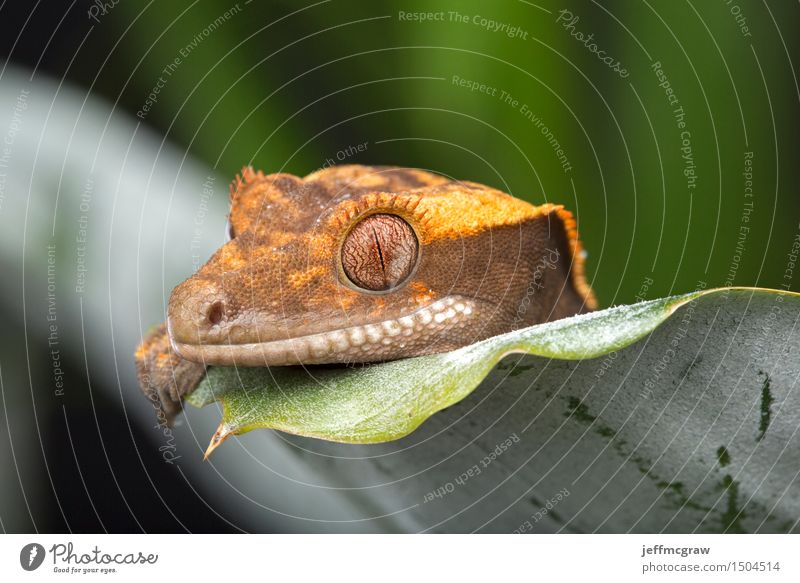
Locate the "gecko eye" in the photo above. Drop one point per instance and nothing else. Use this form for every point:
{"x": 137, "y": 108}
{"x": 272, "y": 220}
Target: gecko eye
{"x": 379, "y": 253}
{"x": 231, "y": 232}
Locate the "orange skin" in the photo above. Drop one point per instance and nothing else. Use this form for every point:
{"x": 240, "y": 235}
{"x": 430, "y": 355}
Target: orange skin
{"x": 277, "y": 293}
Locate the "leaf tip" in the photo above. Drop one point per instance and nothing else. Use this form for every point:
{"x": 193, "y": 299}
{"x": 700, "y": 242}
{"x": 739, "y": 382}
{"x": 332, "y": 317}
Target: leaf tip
{"x": 222, "y": 433}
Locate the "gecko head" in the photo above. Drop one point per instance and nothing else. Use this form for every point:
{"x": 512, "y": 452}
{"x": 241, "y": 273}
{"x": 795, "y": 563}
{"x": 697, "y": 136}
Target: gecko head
{"x": 356, "y": 264}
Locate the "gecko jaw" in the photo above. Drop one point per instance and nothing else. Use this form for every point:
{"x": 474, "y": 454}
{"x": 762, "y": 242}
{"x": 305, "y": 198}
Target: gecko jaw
{"x": 353, "y": 344}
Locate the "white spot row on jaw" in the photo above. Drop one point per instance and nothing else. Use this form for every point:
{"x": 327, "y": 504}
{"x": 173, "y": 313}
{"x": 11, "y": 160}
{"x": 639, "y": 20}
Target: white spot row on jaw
{"x": 385, "y": 340}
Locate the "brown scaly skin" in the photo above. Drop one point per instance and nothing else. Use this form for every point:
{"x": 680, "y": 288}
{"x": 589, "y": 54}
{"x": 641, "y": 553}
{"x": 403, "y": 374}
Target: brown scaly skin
{"x": 278, "y": 293}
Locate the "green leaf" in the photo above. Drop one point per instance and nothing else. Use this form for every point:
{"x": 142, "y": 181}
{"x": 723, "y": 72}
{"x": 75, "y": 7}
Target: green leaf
{"x": 695, "y": 427}
{"x": 384, "y": 402}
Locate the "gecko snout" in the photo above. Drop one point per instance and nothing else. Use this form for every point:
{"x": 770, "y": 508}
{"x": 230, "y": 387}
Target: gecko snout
{"x": 197, "y": 310}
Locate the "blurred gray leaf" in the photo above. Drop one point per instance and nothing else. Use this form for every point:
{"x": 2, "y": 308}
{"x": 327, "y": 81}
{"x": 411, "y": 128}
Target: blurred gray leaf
{"x": 694, "y": 428}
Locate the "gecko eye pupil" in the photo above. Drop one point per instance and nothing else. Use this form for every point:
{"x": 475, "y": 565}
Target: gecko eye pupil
{"x": 380, "y": 252}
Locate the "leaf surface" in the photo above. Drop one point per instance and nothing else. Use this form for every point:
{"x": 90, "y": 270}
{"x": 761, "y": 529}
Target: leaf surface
{"x": 386, "y": 401}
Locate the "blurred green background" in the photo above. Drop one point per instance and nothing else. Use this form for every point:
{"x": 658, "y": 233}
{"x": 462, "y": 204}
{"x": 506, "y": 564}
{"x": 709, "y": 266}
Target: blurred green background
{"x": 287, "y": 85}
{"x": 143, "y": 102}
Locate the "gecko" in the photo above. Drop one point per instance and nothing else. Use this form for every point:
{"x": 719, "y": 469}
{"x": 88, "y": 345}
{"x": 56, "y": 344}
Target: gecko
{"x": 356, "y": 264}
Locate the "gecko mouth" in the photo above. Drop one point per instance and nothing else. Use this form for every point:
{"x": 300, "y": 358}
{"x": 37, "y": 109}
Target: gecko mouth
{"x": 414, "y": 334}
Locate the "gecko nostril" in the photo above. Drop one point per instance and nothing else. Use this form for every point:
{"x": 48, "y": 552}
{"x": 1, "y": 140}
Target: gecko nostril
{"x": 215, "y": 312}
